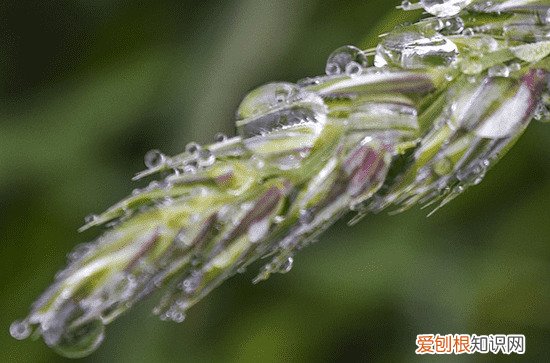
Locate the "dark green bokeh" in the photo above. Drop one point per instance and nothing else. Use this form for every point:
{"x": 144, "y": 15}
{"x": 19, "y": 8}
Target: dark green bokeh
{"x": 88, "y": 87}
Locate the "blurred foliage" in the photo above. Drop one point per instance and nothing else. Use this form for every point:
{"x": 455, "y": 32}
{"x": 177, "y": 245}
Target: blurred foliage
{"x": 86, "y": 88}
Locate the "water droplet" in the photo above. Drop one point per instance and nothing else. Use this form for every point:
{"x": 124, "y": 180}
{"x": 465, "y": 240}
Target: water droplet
{"x": 20, "y": 329}
{"x": 500, "y": 70}
{"x": 442, "y": 8}
{"x": 81, "y": 341}
{"x": 220, "y": 137}
{"x": 276, "y": 106}
{"x": 406, "y": 5}
{"x": 353, "y": 69}
{"x": 191, "y": 283}
{"x": 286, "y": 266}
{"x": 189, "y": 169}
{"x": 91, "y": 218}
{"x": 154, "y": 159}
{"x": 205, "y": 158}
{"x": 413, "y": 49}
{"x": 347, "y": 60}
{"x": 177, "y": 316}
{"x": 192, "y": 148}
{"x": 468, "y": 32}
{"x": 267, "y": 98}
{"x": 310, "y": 81}
{"x": 454, "y": 25}
{"x": 514, "y": 67}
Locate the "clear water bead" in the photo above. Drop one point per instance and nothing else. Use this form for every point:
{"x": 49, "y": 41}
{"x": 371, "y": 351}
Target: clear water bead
{"x": 412, "y": 49}
{"x": 192, "y": 148}
{"x": 454, "y": 25}
{"x": 20, "y": 329}
{"x": 286, "y": 266}
{"x": 220, "y": 137}
{"x": 442, "y": 8}
{"x": 91, "y": 218}
{"x": 80, "y": 341}
{"x": 500, "y": 70}
{"x": 275, "y": 106}
{"x": 347, "y": 60}
{"x": 154, "y": 158}
{"x": 267, "y": 98}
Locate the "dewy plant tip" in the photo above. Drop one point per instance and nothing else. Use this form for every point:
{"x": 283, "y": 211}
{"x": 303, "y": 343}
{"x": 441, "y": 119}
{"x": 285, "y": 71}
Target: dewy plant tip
{"x": 417, "y": 120}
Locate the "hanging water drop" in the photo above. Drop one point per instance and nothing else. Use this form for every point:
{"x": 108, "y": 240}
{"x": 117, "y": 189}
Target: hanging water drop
{"x": 347, "y": 60}
{"x": 442, "y": 8}
{"x": 154, "y": 159}
{"x": 80, "y": 341}
{"x": 20, "y": 329}
{"x": 286, "y": 266}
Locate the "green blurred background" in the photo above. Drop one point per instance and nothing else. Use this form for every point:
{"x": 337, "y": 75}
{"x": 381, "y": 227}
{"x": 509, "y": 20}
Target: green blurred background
{"x": 87, "y": 87}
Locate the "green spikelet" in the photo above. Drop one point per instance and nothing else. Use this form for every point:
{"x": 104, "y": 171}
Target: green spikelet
{"x": 445, "y": 99}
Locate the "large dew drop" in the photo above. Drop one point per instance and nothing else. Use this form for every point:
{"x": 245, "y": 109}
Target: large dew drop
{"x": 154, "y": 159}
{"x": 412, "y": 49}
{"x": 275, "y": 106}
{"x": 348, "y": 60}
{"x": 443, "y": 8}
{"x": 81, "y": 341}
{"x": 20, "y": 329}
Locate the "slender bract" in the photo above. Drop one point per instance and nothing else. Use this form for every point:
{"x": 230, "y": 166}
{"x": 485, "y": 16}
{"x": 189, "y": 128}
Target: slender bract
{"x": 444, "y": 99}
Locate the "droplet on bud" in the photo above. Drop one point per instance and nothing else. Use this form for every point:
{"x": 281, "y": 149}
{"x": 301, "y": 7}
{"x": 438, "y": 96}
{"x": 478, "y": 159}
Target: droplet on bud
{"x": 220, "y": 137}
{"x": 500, "y": 70}
{"x": 81, "y": 341}
{"x": 275, "y": 106}
{"x": 413, "y": 49}
{"x": 205, "y": 158}
{"x": 154, "y": 159}
{"x": 442, "y": 8}
{"x": 192, "y": 148}
{"x": 20, "y": 329}
{"x": 286, "y": 266}
{"x": 91, "y": 218}
{"x": 347, "y": 60}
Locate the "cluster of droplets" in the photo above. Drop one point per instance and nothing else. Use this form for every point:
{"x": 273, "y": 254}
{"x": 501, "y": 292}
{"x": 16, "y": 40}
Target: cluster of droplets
{"x": 278, "y": 125}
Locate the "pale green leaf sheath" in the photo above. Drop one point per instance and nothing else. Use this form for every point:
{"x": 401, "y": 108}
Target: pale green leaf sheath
{"x": 444, "y": 100}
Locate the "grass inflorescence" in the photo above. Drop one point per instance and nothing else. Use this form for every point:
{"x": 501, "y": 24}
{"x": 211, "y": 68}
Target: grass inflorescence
{"x": 416, "y": 120}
